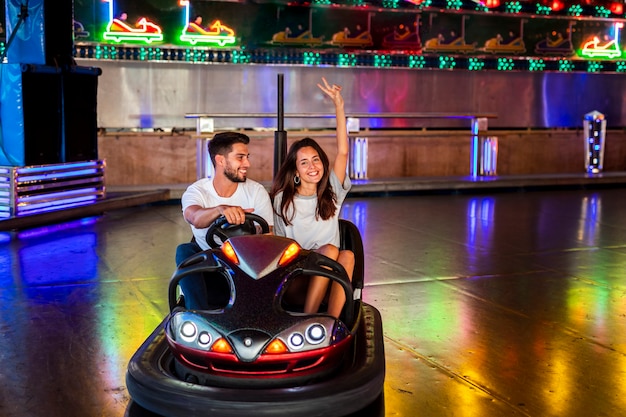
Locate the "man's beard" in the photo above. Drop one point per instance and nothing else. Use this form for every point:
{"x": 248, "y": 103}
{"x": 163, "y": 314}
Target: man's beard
{"x": 231, "y": 174}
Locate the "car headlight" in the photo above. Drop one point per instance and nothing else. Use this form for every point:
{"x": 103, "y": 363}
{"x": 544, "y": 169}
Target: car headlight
{"x": 312, "y": 333}
{"x": 188, "y": 331}
{"x": 296, "y": 341}
{"x": 192, "y": 331}
{"x": 315, "y": 334}
{"x": 204, "y": 339}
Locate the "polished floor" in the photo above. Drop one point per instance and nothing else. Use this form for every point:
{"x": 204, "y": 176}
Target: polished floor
{"x": 493, "y": 304}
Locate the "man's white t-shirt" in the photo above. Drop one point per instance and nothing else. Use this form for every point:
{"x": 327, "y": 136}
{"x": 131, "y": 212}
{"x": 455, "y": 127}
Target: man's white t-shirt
{"x": 249, "y": 194}
{"x": 309, "y": 232}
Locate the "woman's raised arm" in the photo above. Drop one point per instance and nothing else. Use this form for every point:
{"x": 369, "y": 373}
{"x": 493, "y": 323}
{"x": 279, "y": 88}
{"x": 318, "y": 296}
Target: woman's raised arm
{"x": 341, "y": 161}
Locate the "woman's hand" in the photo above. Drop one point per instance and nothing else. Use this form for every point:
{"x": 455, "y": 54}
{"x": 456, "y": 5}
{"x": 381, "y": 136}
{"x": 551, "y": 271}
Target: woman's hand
{"x": 332, "y": 91}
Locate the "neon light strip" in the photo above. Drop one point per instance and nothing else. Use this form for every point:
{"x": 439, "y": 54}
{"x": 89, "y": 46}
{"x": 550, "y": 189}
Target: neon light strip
{"x": 56, "y": 208}
{"x": 132, "y": 34}
{"x": 134, "y": 37}
{"x": 611, "y": 49}
{"x": 72, "y": 202}
{"x": 474, "y": 149}
{"x": 485, "y": 168}
{"x": 216, "y": 39}
{"x": 360, "y": 158}
{"x": 57, "y": 175}
{"x": 28, "y": 203}
{"x": 57, "y": 195}
{"x": 46, "y": 168}
{"x": 490, "y": 154}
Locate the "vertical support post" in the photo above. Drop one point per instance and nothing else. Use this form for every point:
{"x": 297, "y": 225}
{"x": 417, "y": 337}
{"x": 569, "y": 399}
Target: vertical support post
{"x": 280, "y": 136}
{"x": 358, "y": 158}
{"x": 357, "y": 162}
{"x": 595, "y": 132}
{"x": 476, "y": 152}
{"x": 204, "y": 166}
{"x": 488, "y": 155}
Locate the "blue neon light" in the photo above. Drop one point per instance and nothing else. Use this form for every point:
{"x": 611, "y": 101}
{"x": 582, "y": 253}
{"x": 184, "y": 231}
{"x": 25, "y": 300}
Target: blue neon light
{"x": 57, "y": 195}
{"x": 57, "y": 175}
{"x": 26, "y": 170}
{"x": 77, "y": 202}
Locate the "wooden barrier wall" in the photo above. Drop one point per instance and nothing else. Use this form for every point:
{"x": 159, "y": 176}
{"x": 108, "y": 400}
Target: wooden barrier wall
{"x": 150, "y": 159}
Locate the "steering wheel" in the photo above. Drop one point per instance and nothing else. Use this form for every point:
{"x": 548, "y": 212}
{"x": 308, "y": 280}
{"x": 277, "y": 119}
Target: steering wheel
{"x": 222, "y": 230}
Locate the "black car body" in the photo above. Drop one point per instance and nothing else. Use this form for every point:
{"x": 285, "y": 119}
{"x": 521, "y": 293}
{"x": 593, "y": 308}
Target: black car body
{"x": 253, "y": 350}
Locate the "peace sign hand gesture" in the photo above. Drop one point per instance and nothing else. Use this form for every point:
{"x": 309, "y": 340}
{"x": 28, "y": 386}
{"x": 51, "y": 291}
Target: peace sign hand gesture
{"x": 332, "y": 91}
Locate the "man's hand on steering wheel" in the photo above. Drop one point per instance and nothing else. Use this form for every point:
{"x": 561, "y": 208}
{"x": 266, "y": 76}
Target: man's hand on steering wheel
{"x": 234, "y": 214}
{"x": 221, "y": 229}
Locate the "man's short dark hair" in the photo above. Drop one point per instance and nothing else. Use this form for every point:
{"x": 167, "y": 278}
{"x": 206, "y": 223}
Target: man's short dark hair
{"x": 222, "y": 143}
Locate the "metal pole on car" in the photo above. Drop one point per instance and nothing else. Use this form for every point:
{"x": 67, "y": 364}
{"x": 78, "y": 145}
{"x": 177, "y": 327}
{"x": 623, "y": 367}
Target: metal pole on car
{"x": 280, "y": 136}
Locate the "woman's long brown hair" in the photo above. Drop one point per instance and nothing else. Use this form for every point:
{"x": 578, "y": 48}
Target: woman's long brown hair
{"x": 326, "y": 197}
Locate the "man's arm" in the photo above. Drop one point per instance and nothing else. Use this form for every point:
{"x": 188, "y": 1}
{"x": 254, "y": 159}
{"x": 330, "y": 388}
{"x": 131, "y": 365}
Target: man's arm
{"x": 201, "y": 217}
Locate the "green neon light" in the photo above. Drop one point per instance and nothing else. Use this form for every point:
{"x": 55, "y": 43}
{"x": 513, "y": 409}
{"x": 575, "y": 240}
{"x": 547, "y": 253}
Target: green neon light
{"x": 513, "y": 7}
{"x": 620, "y": 66}
{"x": 536, "y": 65}
{"x": 594, "y": 66}
{"x": 543, "y": 10}
{"x": 565, "y": 65}
{"x": 602, "y": 11}
{"x": 382, "y": 60}
{"x": 475, "y": 64}
{"x": 240, "y": 57}
{"x": 107, "y": 52}
{"x": 454, "y": 4}
{"x": 447, "y": 62}
{"x": 417, "y": 61}
{"x": 346, "y": 60}
{"x": 505, "y": 64}
{"x": 312, "y": 58}
{"x": 391, "y": 4}
{"x": 194, "y": 55}
{"x": 575, "y": 10}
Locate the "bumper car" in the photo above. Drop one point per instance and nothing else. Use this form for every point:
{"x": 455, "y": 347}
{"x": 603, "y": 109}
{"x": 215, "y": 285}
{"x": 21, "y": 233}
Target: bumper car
{"x": 218, "y": 34}
{"x": 558, "y": 47}
{"x": 499, "y": 46}
{"x": 303, "y": 39}
{"x": 410, "y": 42}
{"x": 597, "y": 49}
{"x": 144, "y": 31}
{"x": 362, "y": 40}
{"x": 79, "y": 30}
{"x": 456, "y": 45}
{"x": 251, "y": 349}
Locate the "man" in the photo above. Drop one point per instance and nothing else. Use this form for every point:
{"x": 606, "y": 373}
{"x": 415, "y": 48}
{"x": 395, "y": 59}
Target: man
{"x": 228, "y": 193}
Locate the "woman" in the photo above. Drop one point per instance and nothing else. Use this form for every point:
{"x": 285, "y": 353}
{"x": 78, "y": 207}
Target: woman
{"x": 307, "y": 197}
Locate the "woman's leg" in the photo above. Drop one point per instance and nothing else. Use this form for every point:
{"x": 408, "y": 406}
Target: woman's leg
{"x": 337, "y": 297}
{"x": 318, "y": 285}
